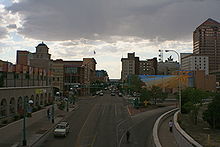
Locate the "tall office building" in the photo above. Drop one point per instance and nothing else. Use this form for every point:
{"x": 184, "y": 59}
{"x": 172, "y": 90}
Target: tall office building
{"x": 206, "y": 42}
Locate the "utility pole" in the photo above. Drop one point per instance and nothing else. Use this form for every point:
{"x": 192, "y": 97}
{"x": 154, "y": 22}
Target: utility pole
{"x": 24, "y": 142}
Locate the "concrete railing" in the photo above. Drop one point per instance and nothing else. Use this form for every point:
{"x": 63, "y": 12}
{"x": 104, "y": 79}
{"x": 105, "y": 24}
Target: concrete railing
{"x": 182, "y": 138}
{"x": 157, "y": 124}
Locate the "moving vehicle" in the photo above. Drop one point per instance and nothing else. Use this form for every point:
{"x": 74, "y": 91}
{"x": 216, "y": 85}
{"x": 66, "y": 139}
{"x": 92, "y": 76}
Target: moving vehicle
{"x": 112, "y": 94}
{"x": 61, "y": 129}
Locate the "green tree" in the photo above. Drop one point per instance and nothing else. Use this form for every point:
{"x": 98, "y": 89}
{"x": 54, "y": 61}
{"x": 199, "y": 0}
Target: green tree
{"x": 192, "y": 101}
{"x": 157, "y": 94}
{"x": 134, "y": 83}
{"x": 212, "y": 114}
{"x": 145, "y": 94}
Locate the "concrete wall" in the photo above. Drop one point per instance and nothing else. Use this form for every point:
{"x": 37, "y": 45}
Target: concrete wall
{"x": 12, "y": 98}
{"x": 182, "y": 138}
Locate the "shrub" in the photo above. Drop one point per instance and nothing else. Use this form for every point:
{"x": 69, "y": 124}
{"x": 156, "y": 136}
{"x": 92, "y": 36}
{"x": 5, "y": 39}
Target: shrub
{"x": 5, "y": 121}
{"x": 212, "y": 114}
{"x": 16, "y": 117}
{"x": 61, "y": 106}
{"x": 34, "y": 109}
{"x": 187, "y": 107}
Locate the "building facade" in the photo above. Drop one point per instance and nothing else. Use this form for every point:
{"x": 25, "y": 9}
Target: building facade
{"x": 148, "y": 67}
{"x": 166, "y": 68}
{"x": 133, "y": 66}
{"x": 130, "y": 66}
{"x": 57, "y": 69}
{"x": 194, "y": 62}
{"x": 206, "y": 42}
{"x": 23, "y": 57}
{"x": 102, "y": 76}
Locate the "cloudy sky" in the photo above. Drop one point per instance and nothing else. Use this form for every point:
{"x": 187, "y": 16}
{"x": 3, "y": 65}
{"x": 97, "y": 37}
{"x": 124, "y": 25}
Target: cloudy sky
{"x": 74, "y": 29}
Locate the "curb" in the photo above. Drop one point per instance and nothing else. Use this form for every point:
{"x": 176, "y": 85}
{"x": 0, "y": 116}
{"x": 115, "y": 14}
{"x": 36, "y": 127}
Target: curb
{"x": 156, "y": 140}
{"x": 45, "y": 135}
{"x": 185, "y": 139}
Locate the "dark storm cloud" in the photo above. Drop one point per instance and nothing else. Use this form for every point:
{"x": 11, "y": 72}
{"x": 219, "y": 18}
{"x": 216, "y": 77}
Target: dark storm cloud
{"x": 99, "y": 19}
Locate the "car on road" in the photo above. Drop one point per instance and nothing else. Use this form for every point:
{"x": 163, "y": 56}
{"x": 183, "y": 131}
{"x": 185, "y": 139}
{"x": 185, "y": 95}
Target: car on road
{"x": 101, "y": 94}
{"x": 112, "y": 94}
{"x": 61, "y": 129}
{"x": 120, "y": 94}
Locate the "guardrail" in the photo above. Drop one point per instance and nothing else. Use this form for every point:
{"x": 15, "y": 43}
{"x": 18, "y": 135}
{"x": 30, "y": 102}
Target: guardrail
{"x": 182, "y": 138}
{"x": 157, "y": 124}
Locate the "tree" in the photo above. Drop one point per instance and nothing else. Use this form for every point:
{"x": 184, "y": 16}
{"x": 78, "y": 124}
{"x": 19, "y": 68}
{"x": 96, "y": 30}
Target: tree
{"x": 145, "y": 94}
{"x": 157, "y": 94}
{"x": 192, "y": 101}
{"x": 134, "y": 83}
{"x": 212, "y": 114}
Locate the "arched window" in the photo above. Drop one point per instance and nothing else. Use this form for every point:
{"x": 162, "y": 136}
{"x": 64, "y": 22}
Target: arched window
{"x": 3, "y": 108}
{"x": 19, "y": 105}
{"x": 45, "y": 99}
{"x": 41, "y": 99}
{"x": 12, "y": 106}
{"x": 37, "y": 100}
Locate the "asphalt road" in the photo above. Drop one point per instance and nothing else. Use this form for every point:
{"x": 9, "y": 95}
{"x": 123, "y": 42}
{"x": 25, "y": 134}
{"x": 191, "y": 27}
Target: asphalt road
{"x": 103, "y": 121}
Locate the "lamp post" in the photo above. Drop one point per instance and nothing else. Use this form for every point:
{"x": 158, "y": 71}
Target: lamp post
{"x": 52, "y": 105}
{"x": 24, "y": 141}
{"x": 67, "y": 103}
{"x": 179, "y": 88}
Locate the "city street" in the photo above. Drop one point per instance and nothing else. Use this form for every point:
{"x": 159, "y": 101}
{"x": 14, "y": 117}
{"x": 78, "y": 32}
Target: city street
{"x": 103, "y": 121}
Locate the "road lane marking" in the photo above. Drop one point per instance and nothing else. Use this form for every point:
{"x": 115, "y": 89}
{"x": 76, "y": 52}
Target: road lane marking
{"x": 116, "y": 110}
{"x": 80, "y": 132}
{"x": 93, "y": 141}
{"x": 128, "y": 110}
{"x": 117, "y": 129}
{"x": 103, "y": 111}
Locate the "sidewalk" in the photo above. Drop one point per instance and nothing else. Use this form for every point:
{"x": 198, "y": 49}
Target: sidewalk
{"x": 36, "y": 126}
{"x": 166, "y": 138}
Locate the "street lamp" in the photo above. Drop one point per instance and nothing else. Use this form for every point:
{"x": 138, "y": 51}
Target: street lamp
{"x": 24, "y": 142}
{"x": 179, "y": 89}
{"x": 53, "y": 106}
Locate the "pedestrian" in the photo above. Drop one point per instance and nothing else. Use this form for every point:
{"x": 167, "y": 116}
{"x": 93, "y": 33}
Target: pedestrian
{"x": 128, "y": 136}
{"x": 171, "y": 125}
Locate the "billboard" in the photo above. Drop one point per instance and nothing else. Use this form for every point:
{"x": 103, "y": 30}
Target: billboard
{"x": 167, "y": 81}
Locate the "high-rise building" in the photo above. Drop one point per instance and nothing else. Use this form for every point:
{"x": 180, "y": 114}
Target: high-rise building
{"x": 206, "y": 42}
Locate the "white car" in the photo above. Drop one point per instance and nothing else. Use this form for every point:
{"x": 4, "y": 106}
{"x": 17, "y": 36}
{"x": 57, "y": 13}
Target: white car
{"x": 61, "y": 129}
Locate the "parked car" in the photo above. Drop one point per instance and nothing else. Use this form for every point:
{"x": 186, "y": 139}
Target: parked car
{"x": 62, "y": 129}
{"x": 101, "y": 94}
